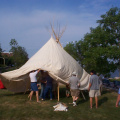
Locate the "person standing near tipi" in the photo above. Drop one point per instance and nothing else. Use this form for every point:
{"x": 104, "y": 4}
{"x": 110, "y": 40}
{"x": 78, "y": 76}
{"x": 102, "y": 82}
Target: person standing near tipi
{"x": 74, "y": 87}
{"x": 94, "y": 88}
{"x": 34, "y": 86}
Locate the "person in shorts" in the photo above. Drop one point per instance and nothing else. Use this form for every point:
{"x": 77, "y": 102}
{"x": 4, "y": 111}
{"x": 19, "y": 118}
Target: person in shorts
{"x": 118, "y": 98}
{"x": 94, "y": 88}
{"x": 74, "y": 87}
{"x": 34, "y": 86}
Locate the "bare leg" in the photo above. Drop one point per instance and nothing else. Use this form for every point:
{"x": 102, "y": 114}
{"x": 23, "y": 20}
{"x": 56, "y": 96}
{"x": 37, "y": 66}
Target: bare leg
{"x": 74, "y": 101}
{"x": 31, "y": 94}
{"x": 73, "y": 98}
{"x": 118, "y": 99}
{"x": 76, "y": 98}
{"x": 90, "y": 102}
{"x": 37, "y": 96}
{"x": 96, "y": 101}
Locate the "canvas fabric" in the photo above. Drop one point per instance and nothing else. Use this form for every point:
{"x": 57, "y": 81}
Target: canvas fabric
{"x": 52, "y": 58}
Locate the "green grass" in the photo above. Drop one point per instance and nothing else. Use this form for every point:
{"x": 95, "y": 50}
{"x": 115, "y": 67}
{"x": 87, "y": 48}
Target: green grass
{"x": 18, "y": 107}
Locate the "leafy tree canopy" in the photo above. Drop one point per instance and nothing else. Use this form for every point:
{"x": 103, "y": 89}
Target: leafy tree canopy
{"x": 0, "y": 50}
{"x": 99, "y": 49}
{"x": 20, "y": 55}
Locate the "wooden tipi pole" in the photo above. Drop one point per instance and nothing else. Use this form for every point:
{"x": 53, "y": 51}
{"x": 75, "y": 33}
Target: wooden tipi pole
{"x": 58, "y": 93}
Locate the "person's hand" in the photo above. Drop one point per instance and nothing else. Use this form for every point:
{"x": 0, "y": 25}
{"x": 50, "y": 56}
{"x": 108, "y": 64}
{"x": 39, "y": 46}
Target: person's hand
{"x": 45, "y": 82}
{"x": 78, "y": 84}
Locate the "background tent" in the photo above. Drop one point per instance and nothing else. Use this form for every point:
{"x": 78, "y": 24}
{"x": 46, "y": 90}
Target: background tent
{"x": 52, "y": 58}
{"x": 1, "y": 85}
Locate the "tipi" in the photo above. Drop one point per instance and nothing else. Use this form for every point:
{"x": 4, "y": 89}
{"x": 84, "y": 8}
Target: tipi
{"x": 52, "y": 58}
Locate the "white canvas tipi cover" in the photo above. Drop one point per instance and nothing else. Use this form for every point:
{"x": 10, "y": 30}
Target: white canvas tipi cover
{"x": 52, "y": 58}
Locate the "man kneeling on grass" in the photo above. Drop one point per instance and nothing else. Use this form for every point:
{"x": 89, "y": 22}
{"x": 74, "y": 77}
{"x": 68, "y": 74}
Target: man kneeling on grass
{"x": 74, "y": 87}
{"x": 94, "y": 88}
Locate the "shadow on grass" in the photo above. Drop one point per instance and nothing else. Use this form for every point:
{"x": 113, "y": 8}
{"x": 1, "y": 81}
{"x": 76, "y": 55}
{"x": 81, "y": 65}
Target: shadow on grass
{"x": 5, "y": 92}
{"x": 62, "y": 92}
{"x": 103, "y": 100}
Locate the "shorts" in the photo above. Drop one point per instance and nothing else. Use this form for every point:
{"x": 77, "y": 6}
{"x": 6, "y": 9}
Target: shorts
{"x": 75, "y": 92}
{"x": 94, "y": 93}
{"x": 34, "y": 86}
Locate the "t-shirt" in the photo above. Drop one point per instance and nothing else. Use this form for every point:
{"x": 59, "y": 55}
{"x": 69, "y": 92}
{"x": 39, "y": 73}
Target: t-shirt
{"x": 33, "y": 76}
{"x": 73, "y": 81}
{"x": 43, "y": 80}
{"x": 94, "y": 80}
{"x": 49, "y": 81}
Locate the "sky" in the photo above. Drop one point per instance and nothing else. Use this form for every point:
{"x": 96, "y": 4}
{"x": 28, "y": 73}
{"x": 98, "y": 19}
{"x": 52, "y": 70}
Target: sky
{"x": 28, "y": 21}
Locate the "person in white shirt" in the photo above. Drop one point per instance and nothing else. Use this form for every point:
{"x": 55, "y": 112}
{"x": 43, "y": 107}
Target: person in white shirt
{"x": 34, "y": 86}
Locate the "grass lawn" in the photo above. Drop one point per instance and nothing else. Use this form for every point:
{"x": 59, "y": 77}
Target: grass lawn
{"x": 18, "y": 107}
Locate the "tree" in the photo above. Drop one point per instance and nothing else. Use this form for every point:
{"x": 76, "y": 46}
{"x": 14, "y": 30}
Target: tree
{"x": 99, "y": 49}
{"x": 1, "y": 59}
{"x": 111, "y": 23}
{"x": 20, "y": 55}
{"x": 74, "y": 49}
{"x": 0, "y": 50}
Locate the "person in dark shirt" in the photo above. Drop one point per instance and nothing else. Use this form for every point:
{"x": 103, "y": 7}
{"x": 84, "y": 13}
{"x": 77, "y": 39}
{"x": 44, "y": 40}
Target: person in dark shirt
{"x": 48, "y": 87}
{"x": 43, "y": 83}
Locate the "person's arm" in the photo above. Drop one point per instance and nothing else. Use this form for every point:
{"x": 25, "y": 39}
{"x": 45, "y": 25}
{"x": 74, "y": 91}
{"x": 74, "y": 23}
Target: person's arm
{"x": 68, "y": 83}
{"x": 90, "y": 83}
{"x": 43, "y": 81}
{"x": 89, "y": 86}
{"x": 38, "y": 70}
{"x": 78, "y": 84}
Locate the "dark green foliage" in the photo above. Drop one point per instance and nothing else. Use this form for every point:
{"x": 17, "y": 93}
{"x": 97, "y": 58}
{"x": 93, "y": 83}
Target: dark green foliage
{"x": 0, "y": 50}
{"x": 1, "y": 58}
{"x": 100, "y": 49}
{"x": 74, "y": 50}
{"x": 20, "y": 55}
{"x": 99, "y": 52}
{"x": 110, "y": 22}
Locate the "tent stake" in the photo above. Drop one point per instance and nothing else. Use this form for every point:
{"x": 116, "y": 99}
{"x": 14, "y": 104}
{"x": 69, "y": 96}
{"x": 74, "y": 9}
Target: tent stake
{"x": 58, "y": 92}
{"x": 82, "y": 94}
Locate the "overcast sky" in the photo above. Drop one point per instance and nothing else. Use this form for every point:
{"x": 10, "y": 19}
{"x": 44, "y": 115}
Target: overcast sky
{"x": 27, "y": 20}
